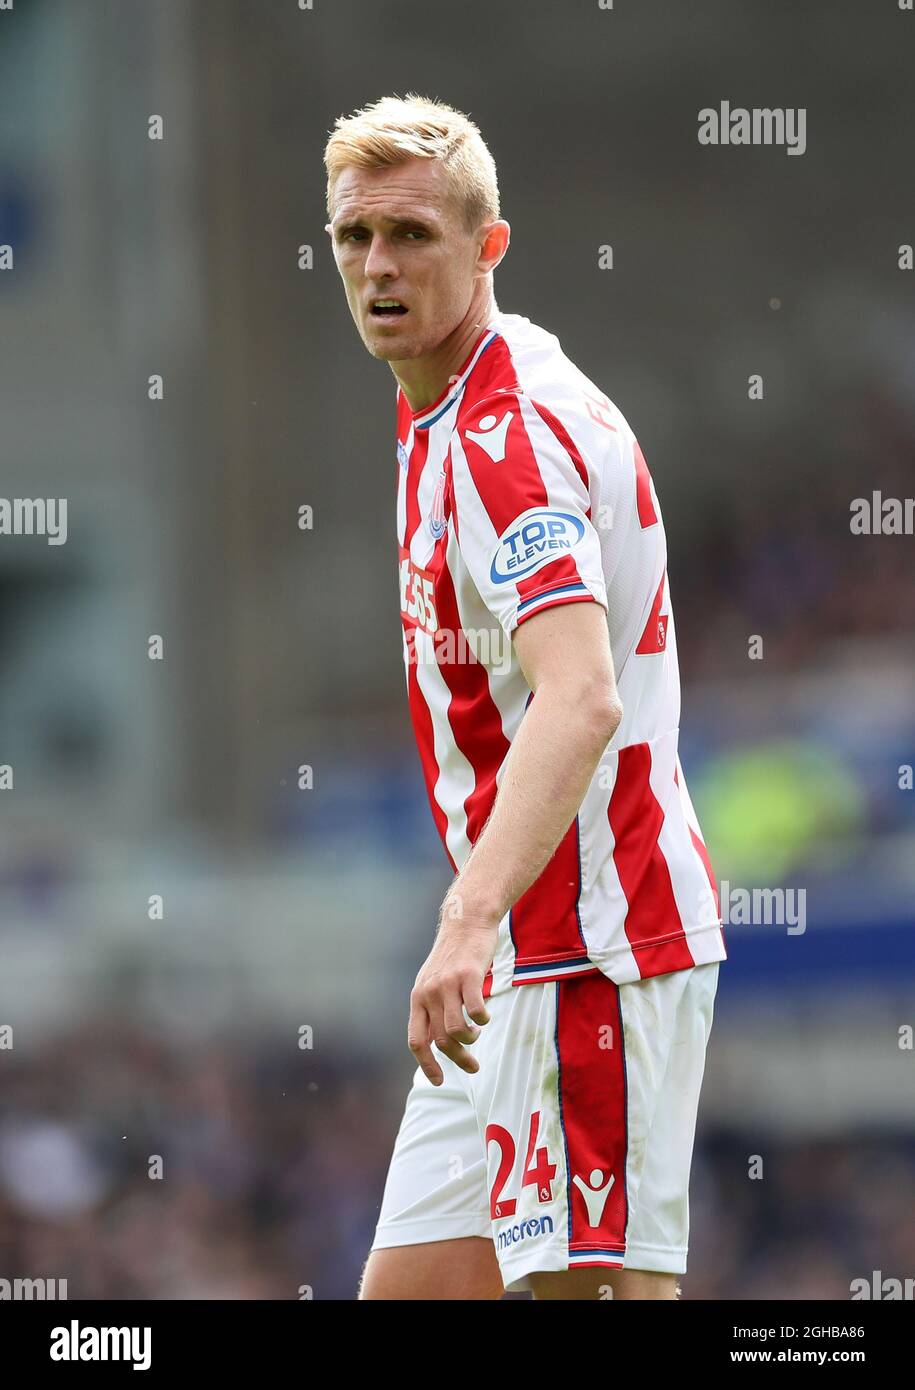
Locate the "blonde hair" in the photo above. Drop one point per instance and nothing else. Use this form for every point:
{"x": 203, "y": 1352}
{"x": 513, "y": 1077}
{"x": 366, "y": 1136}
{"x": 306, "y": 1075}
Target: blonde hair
{"x": 395, "y": 129}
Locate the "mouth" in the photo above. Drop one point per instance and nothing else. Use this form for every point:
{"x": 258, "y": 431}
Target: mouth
{"x": 387, "y": 310}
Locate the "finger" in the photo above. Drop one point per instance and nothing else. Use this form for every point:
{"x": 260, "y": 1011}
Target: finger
{"x": 425, "y": 1059}
{"x": 474, "y": 1002}
{"x": 458, "y": 1054}
{"x": 418, "y": 1043}
{"x": 456, "y": 1025}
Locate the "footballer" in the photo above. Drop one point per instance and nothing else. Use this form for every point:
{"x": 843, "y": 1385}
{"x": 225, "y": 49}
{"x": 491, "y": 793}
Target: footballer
{"x": 561, "y": 1018}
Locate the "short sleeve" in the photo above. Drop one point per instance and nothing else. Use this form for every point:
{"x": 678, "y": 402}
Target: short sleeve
{"x": 523, "y": 510}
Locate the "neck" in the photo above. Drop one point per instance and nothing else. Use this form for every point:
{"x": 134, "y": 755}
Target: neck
{"x": 424, "y": 379}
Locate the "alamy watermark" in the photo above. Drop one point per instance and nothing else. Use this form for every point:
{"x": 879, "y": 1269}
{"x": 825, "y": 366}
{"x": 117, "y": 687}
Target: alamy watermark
{"x": 34, "y": 516}
{"x": 882, "y": 1288}
{"x": 32, "y": 1290}
{"x": 756, "y": 907}
{"x": 490, "y": 647}
{"x": 79, "y": 1342}
{"x": 758, "y": 125}
{"x": 882, "y": 516}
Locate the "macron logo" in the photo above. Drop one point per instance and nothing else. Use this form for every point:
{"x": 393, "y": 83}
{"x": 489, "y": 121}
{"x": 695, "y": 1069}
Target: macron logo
{"x": 491, "y": 435}
{"x": 594, "y": 1194}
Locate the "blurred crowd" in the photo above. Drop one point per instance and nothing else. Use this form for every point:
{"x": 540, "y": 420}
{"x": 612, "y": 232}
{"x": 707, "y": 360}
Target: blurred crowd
{"x": 273, "y": 1162}
{"x": 774, "y": 553}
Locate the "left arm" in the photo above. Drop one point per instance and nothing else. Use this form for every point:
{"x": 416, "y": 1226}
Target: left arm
{"x": 565, "y": 655}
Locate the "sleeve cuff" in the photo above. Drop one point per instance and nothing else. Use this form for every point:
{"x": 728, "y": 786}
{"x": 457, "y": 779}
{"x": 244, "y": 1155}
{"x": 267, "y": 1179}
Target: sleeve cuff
{"x": 569, "y": 591}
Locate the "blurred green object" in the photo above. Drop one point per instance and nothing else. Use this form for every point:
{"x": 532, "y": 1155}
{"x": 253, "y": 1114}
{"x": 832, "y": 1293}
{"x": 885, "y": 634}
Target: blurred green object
{"x": 766, "y": 810}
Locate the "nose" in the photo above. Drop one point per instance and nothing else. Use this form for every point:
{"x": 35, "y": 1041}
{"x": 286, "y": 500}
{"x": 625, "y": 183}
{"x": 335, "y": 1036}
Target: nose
{"x": 379, "y": 262}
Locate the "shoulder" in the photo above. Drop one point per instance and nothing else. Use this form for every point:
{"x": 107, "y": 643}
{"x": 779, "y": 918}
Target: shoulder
{"x": 560, "y": 423}
{"x": 526, "y": 397}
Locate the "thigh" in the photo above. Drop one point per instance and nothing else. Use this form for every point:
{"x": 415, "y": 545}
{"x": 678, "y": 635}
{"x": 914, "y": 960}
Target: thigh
{"x": 464, "y": 1269}
{"x": 435, "y": 1192}
{"x": 602, "y": 1284}
{"x": 665, "y": 1113}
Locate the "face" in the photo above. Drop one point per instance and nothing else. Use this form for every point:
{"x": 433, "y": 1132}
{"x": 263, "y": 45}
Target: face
{"x": 398, "y": 235}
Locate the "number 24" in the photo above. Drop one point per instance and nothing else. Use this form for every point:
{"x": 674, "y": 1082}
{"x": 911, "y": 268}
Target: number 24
{"x": 541, "y": 1173}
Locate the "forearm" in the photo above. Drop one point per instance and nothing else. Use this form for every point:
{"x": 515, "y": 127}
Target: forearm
{"x": 548, "y": 770}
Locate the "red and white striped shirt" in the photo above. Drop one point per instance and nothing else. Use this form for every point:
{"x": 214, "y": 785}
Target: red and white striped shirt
{"x": 522, "y": 487}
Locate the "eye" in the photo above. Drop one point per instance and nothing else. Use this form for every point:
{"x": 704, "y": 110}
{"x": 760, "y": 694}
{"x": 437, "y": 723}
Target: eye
{"x": 416, "y": 231}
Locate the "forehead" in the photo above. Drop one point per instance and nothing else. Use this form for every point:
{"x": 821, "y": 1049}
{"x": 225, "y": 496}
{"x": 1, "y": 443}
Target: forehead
{"x": 413, "y": 188}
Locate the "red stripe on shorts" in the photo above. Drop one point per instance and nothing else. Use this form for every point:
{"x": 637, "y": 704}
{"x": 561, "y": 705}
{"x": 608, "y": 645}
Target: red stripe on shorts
{"x": 592, "y": 1101}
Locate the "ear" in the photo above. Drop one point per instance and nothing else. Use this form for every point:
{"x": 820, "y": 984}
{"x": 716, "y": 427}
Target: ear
{"x": 495, "y": 240}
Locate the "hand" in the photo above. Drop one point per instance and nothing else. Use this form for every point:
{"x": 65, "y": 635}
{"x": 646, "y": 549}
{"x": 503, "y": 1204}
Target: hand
{"x": 450, "y": 981}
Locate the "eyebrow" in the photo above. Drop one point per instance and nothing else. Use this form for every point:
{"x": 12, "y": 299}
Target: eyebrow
{"x": 397, "y": 221}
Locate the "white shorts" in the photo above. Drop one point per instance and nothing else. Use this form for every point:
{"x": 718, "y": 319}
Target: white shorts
{"x": 571, "y": 1146}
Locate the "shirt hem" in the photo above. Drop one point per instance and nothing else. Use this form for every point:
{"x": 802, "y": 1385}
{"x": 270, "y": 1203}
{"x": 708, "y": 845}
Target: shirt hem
{"x": 633, "y": 961}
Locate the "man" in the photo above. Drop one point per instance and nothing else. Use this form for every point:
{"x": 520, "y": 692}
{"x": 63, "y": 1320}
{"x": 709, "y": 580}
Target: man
{"x": 578, "y": 946}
